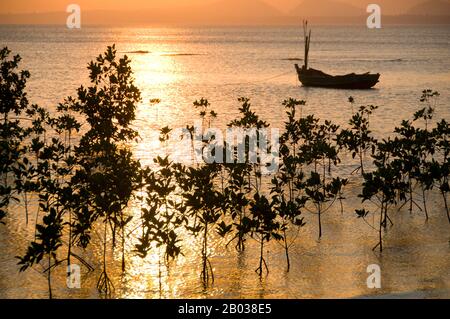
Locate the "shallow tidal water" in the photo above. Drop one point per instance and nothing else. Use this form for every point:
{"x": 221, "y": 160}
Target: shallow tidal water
{"x": 222, "y": 64}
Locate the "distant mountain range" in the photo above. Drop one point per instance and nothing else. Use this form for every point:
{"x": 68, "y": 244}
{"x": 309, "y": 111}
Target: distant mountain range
{"x": 327, "y": 8}
{"x": 431, "y": 8}
{"x": 250, "y": 12}
{"x": 388, "y": 7}
{"x": 329, "y": 12}
{"x": 353, "y": 8}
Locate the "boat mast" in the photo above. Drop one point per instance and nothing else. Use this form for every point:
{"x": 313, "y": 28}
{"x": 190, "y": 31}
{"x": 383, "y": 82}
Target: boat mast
{"x": 307, "y": 36}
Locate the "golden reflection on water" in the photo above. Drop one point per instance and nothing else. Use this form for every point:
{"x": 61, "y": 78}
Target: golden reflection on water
{"x": 335, "y": 266}
{"x": 151, "y": 70}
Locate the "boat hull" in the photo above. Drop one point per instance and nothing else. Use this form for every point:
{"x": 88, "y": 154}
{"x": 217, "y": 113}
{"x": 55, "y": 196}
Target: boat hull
{"x": 316, "y": 78}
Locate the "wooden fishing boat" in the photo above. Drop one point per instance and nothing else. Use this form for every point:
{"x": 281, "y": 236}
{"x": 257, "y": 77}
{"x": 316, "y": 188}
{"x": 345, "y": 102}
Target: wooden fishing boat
{"x": 316, "y": 78}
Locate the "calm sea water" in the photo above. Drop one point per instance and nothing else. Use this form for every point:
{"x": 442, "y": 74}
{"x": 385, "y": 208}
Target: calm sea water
{"x": 222, "y": 64}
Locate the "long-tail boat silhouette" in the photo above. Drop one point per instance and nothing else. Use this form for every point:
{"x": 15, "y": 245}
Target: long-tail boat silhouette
{"x": 317, "y": 78}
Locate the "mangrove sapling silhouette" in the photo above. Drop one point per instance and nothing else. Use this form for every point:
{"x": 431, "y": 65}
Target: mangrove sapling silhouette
{"x": 164, "y": 137}
{"x": 425, "y": 178}
{"x": 413, "y": 147}
{"x": 107, "y": 174}
{"x": 203, "y": 104}
{"x": 19, "y": 142}
{"x": 330, "y": 131}
{"x": 52, "y": 186}
{"x": 203, "y": 205}
{"x": 320, "y": 150}
{"x": 428, "y": 144}
{"x": 290, "y": 141}
{"x": 308, "y": 130}
{"x": 240, "y": 191}
{"x": 253, "y": 127}
{"x": 65, "y": 125}
{"x": 322, "y": 195}
{"x": 384, "y": 186}
{"x": 13, "y": 106}
{"x": 264, "y": 226}
{"x": 406, "y": 150}
{"x": 336, "y": 187}
{"x": 440, "y": 168}
{"x": 236, "y": 195}
{"x": 197, "y": 134}
{"x": 108, "y": 182}
{"x": 162, "y": 216}
{"x": 425, "y": 141}
{"x": 425, "y": 114}
{"x": 440, "y": 173}
{"x": 430, "y": 99}
{"x": 48, "y": 241}
{"x": 289, "y": 211}
{"x": 50, "y": 178}
{"x": 26, "y": 173}
{"x": 358, "y": 139}
{"x": 288, "y": 183}
{"x": 155, "y": 103}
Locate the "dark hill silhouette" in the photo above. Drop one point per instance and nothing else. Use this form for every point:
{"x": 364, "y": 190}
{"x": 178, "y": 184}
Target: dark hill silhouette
{"x": 388, "y": 7}
{"x": 236, "y": 12}
{"x": 327, "y": 8}
{"x": 431, "y": 8}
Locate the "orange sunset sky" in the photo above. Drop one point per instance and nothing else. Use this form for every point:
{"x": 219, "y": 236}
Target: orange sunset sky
{"x": 209, "y": 11}
{"x": 24, "y": 6}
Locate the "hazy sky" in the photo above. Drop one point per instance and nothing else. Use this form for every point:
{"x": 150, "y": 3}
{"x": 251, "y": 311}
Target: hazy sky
{"x": 28, "y": 6}
{"x": 25, "y": 6}
{"x": 216, "y": 12}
